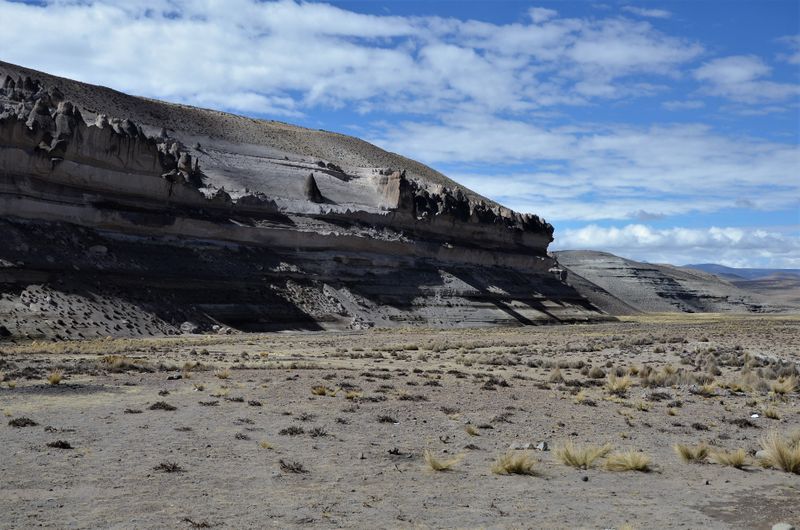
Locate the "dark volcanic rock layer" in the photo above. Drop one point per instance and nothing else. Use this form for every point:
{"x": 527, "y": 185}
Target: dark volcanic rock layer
{"x": 126, "y": 216}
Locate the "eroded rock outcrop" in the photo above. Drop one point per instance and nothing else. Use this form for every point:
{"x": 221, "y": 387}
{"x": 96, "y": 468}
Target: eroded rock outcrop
{"x": 297, "y": 229}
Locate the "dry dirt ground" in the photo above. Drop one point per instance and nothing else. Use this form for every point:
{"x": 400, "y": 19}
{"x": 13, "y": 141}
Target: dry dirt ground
{"x": 330, "y": 429}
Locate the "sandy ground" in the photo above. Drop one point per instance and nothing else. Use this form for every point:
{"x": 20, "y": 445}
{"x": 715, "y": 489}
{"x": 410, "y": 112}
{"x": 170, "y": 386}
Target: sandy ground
{"x": 394, "y": 395}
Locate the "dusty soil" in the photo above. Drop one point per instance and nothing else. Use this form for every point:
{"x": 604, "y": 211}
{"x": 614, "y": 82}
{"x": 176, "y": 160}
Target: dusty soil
{"x": 224, "y": 457}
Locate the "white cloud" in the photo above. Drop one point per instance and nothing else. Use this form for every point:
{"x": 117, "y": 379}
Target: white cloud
{"x": 285, "y": 57}
{"x": 688, "y": 104}
{"x": 541, "y": 14}
{"x": 646, "y": 12}
{"x": 739, "y": 78}
{"x": 731, "y": 246}
{"x": 793, "y": 43}
{"x": 606, "y": 172}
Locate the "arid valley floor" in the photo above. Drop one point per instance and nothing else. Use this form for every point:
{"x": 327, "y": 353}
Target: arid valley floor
{"x": 330, "y": 429}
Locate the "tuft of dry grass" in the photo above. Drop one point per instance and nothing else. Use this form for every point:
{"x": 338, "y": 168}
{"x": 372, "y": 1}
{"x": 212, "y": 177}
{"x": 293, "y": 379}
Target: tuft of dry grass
{"x": 772, "y": 414}
{"x": 581, "y": 456}
{"x": 321, "y": 390}
{"x": 688, "y": 453}
{"x": 263, "y": 444}
{"x": 784, "y": 386}
{"x": 628, "y": 461}
{"x": 781, "y": 453}
{"x": 618, "y": 385}
{"x": 55, "y": 377}
{"x": 441, "y": 465}
{"x": 472, "y": 430}
{"x": 514, "y": 463}
{"x": 737, "y": 458}
{"x": 556, "y": 377}
{"x": 225, "y": 373}
{"x": 353, "y": 395}
{"x": 220, "y": 393}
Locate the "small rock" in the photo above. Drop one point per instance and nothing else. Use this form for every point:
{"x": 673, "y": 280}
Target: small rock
{"x": 189, "y": 327}
{"x": 520, "y": 447}
{"x": 174, "y": 377}
{"x": 782, "y": 526}
{"x": 761, "y": 454}
{"x": 542, "y": 446}
{"x": 98, "y": 249}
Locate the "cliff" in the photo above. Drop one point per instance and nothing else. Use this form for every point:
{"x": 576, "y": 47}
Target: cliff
{"x": 193, "y": 217}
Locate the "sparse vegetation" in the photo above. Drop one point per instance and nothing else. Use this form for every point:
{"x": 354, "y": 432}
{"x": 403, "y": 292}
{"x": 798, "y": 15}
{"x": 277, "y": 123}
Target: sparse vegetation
{"x": 444, "y": 464}
{"x": 628, "y": 461}
{"x": 781, "y": 453}
{"x": 322, "y": 390}
{"x": 581, "y": 456}
{"x": 162, "y": 405}
{"x": 736, "y": 458}
{"x": 169, "y": 467}
{"x": 55, "y": 377}
{"x": 292, "y": 430}
{"x": 22, "y": 421}
{"x": 618, "y": 385}
{"x": 689, "y": 453}
{"x": 292, "y": 467}
{"x": 784, "y": 386}
{"x": 514, "y": 463}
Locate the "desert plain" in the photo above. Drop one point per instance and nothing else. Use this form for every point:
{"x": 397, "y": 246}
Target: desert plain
{"x": 407, "y": 428}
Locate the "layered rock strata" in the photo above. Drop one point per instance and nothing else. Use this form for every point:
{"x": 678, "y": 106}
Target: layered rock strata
{"x": 256, "y": 234}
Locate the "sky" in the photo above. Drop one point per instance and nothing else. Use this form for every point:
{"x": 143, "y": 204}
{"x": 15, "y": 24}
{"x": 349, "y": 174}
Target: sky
{"x": 659, "y": 131}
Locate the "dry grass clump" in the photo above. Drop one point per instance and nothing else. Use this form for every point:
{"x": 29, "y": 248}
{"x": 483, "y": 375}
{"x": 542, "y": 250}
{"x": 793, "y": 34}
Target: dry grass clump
{"x": 263, "y": 444}
{"x": 784, "y": 386}
{"x": 55, "y": 377}
{"x": 688, "y": 453}
{"x": 121, "y": 363}
{"x": 772, "y": 414}
{"x": 737, "y": 458}
{"x": 628, "y": 461}
{"x": 514, "y": 463}
{"x": 225, "y": 373}
{"x": 353, "y": 395}
{"x": 781, "y": 453}
{"x": 472, "y": 430}
{"x": 441, "y": 465}
{"x": 581, "y": 456}
{"x": 618, "y": 385}
{"x": 556, "y": 377}
{"x": 597, "y": 373}
{"x": 321, "y": 390}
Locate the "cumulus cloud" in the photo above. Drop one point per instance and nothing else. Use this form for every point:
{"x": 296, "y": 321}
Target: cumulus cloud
{"x": 731, "y": 246}
{"x": 286, "y": 57}
{"x": 646, "y": 12}
{"x": 740, "y": 78}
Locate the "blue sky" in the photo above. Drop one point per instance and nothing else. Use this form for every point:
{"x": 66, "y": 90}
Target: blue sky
{"x": 661, "y": 131}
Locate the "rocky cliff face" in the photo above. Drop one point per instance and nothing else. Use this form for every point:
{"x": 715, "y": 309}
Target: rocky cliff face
{"x": 184, "y": 215}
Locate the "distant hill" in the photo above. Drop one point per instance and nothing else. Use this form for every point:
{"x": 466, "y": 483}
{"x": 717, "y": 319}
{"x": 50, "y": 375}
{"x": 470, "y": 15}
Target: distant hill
{"x": 734, "y": 273}
{"x": 622, "y": 286}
